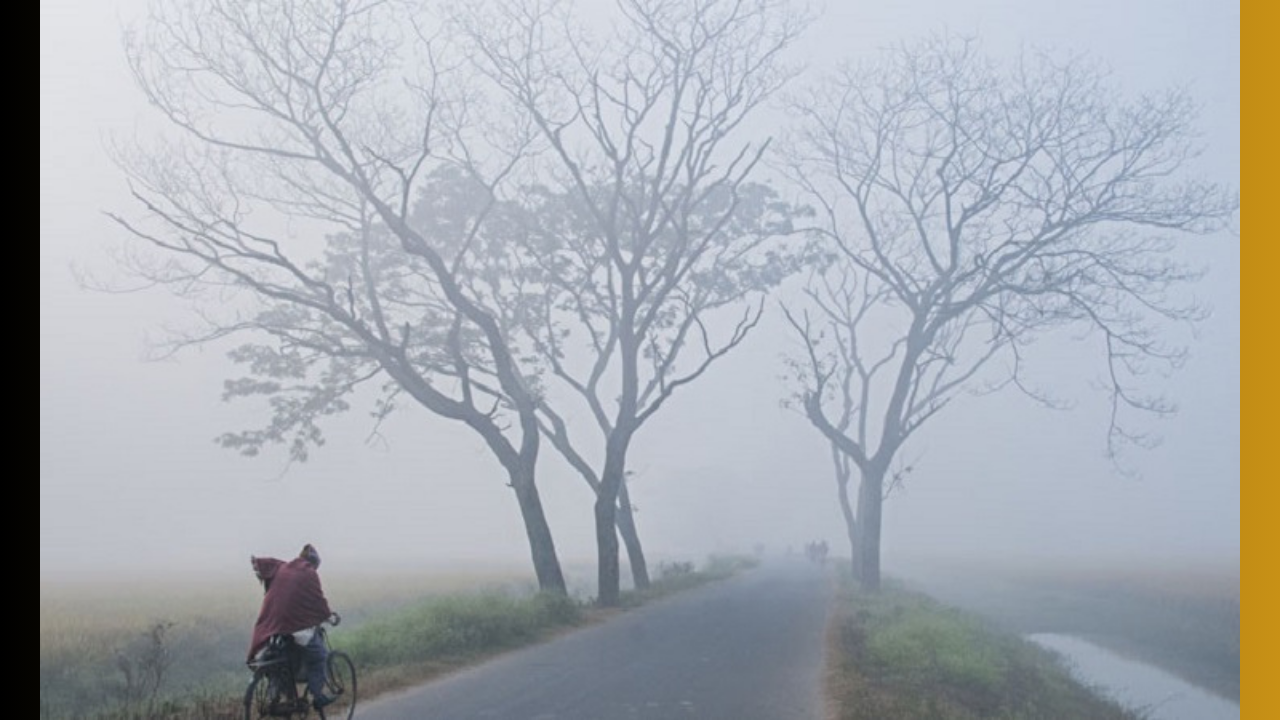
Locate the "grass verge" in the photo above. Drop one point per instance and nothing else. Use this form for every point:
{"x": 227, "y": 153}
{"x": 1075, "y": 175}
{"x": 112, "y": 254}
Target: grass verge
{"x": 900, "y": 655}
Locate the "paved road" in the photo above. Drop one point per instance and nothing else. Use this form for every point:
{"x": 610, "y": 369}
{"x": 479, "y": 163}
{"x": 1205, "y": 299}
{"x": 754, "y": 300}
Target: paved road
{"x": 749, "y": 648}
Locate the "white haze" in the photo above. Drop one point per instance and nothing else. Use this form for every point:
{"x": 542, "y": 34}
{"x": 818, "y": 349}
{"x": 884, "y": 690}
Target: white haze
{"x": 131, "y": 481}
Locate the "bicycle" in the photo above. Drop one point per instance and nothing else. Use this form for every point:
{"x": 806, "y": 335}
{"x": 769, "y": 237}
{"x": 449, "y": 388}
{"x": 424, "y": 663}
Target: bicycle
{"x": 281, "y": 668}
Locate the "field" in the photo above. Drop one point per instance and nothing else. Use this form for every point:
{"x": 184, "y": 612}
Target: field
{"x": 143, "y": 643}
{"x": 176, "y": 651}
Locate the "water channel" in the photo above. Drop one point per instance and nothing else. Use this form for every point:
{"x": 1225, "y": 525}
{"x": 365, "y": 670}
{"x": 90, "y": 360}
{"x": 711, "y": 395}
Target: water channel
{"x": 1160, "y": 695}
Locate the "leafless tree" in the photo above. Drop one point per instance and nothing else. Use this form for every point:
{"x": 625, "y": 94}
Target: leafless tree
{"x": 286, "y": 205}
{"x": 968, "y": 208}
{"x": 652, "y": 225}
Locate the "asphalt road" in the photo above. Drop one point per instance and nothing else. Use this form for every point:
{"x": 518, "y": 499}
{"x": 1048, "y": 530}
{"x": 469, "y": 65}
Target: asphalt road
{"x": 748, "y": 648}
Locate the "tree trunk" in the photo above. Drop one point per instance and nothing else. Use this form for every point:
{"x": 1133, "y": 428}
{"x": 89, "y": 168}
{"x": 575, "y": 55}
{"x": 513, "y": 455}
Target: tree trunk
{"x": 608, "y": 574}
{"x": 631, "y": 539}
{"x": 850, "y": 520}
{"x": 546, "y": 564}
{"x": 870, "y": 500}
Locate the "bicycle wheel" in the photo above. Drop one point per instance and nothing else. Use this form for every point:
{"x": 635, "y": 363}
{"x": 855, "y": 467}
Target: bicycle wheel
{"x": 257, "y": 697}
{"x": 341, "y": 686}
{"x": 266, "y": 697}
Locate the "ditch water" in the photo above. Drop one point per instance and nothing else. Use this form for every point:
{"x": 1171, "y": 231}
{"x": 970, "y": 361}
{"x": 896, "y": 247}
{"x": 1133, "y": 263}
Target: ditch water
{"x": 1137, "y": 685}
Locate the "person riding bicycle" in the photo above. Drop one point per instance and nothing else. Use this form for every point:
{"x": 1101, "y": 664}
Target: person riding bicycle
{"x": 294, "y": 604}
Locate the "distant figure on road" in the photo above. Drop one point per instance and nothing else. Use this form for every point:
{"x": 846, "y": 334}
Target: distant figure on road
{"x": 816, "y": 551}
{"x": 294, "y": 604}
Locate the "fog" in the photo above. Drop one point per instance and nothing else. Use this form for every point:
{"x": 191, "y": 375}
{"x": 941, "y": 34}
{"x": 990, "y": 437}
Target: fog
{"x": 132, "y": 482}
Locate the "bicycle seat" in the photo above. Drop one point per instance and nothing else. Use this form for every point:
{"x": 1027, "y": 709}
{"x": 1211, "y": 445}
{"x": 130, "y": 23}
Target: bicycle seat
{"x": 277, "y": 648}
{"x": 279, "y": 641}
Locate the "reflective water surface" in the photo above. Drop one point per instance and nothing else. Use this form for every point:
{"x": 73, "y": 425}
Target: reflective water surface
{"x": 1160, "y": 695}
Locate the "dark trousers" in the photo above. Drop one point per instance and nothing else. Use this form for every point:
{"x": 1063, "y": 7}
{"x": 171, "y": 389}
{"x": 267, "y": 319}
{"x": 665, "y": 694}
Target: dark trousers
{"x": 316, "y": 654}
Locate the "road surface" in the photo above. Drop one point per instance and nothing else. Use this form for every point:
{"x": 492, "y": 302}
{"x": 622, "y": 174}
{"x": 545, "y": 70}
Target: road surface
{"x": 748, "y": 648}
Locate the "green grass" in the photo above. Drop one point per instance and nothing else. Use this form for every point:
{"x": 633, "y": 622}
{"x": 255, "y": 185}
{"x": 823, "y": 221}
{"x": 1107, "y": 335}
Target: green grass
{"x": 899, "y": 655}
{"x": 915, "y": 638}
{"x": 459, "y": 626}
{"x": 400, "y": 631}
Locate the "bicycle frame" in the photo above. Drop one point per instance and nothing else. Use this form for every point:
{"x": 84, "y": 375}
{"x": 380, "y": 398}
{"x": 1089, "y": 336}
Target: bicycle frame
{"x": 284, "y": 671}
{"x": 279, "y": 672}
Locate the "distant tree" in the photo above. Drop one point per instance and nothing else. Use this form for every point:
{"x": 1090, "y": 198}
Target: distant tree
{"x": 285, "y": 209}
{"x": 968, "y": 209}
{"x": 651, "y": 220}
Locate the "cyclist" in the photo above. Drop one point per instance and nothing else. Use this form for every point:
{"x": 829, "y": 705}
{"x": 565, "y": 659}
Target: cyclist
{"x": 294, "y": 604}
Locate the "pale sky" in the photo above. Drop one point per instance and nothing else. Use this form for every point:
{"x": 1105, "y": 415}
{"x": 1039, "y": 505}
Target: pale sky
{"x": 130, "y": 477}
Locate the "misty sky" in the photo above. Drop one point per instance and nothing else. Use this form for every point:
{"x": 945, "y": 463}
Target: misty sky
{"x": 130, "y": 476}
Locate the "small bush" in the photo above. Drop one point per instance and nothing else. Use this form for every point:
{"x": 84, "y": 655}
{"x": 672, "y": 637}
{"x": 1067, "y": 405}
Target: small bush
{"x": 725, "y": 565}
{"x": 673, "y": 570}
{"x": 144, "y": 666}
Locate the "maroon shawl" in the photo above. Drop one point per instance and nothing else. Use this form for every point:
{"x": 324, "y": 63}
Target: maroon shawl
{"x": 294, "y": 600}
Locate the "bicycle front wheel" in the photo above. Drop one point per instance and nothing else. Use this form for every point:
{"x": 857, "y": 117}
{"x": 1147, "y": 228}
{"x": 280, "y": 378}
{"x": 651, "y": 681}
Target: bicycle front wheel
{"x": 341, "y": 686}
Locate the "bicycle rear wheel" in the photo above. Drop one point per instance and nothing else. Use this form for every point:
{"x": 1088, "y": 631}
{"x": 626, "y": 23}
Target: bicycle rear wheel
{"x": 266, "y": 697}
{"x": 257, "y": 698}
{"x": 341, "y": 686}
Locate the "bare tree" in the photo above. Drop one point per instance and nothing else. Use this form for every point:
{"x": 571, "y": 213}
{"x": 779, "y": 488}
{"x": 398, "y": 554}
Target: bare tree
{"x": 516, "y": 271}
{"x": 576, "y": 303}
{"x": 664, "y": 227}
{"x": 968, "y": 209}
{"x": 285, "y": 208}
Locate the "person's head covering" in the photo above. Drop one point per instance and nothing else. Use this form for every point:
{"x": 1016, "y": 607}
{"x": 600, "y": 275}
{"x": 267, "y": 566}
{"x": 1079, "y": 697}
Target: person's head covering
{"x": 310, "y": 555}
